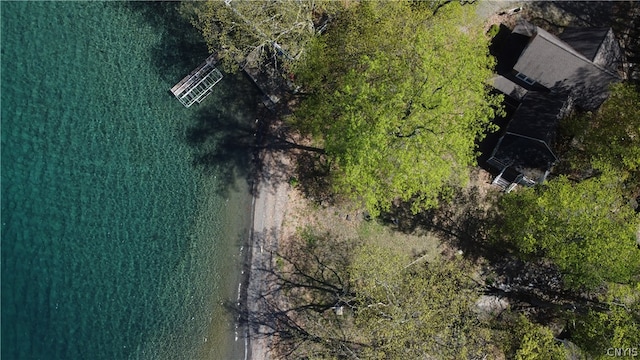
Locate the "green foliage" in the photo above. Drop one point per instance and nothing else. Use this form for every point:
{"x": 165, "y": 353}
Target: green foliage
{"x": 293, "y": 181}
{"x": 309, "y": 237}
{"x": 587, "y": 229}
{"x": 535, "y": 342}
{"x": 493, "y": 31}
{"x": 609, "y": 136}
{"x": 619, "y": 327}
{"x": 614, "y": 133}
{"x": 236, "y": 29}
{"x": 398, "y": 97}
{"x": 412, "y": 311}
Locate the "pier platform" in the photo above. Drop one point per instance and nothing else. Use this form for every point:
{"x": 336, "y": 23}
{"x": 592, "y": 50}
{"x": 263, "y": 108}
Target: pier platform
{"x": 198, "y": 84}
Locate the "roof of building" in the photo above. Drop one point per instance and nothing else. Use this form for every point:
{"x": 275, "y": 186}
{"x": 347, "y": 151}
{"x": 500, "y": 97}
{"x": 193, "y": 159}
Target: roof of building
{"x": 538, "y": 115}
{"x": 586, "y": 41}
{"x": 550, "y": 61}
{"x": 508, "y": 87}
{"x": 530, "y": 135}
{"x": 565, "y": 72}
{"x": 527, "y": 156}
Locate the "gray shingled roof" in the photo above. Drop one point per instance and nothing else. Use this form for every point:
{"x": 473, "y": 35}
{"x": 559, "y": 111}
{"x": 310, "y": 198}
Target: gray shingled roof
{"x": 529, "y": 137}
{"x": 551, "y": 61}
{"x": 527, "y": 156}
{"x": 568, "y": 74}
{"x": 538, "y": 115}
{"x": 586, "y": 41}
{"x": 508, "y": 87}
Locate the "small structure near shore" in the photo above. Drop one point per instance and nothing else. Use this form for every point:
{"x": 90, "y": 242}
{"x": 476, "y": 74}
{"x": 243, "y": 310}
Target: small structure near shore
{"x": 199, "y": 84}
{"x": 267, "y": 77}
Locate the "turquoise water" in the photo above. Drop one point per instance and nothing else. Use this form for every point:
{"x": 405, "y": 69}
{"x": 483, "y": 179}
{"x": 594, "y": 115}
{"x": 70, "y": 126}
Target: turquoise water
{"x": 115, "y": 239}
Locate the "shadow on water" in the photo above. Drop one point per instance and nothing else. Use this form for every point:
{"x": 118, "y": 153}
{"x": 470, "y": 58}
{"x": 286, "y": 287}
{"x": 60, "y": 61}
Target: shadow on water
{"x": 221, "y": 131}
{"x": 182, "y": 47}
{"x": 230, "y": 128}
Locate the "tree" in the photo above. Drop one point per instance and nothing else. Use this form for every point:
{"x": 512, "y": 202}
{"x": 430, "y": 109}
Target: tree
{"x": 274, "y": 31}
{"x": 611, "y": 135}
{"x": 618, "y": 327}
{"x": 587, "y": 229}
{"x": 412, "y": 310}
{"x": 533, "y": 341}
{"x": 398, "y": 97}
{"x": 331, "y": 298}
{"x": 614, "y": 132}
{"x": 309, "y": 281}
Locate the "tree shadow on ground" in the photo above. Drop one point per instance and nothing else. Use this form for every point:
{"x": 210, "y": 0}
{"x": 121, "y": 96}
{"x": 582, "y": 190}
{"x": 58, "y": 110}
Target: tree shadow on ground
{"x": 465, "y": 222}
{"x": 486, "y": 146}
{"x": 301, "y": 163}
{"x": 470, "y": 223}
{"x": 237, "y": 136}
{"x": 295, "y": 289}
{"x": 313, "y": 174}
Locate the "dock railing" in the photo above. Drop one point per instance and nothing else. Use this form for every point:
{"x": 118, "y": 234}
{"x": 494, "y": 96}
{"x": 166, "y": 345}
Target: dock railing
{"x": 198, "y": 84}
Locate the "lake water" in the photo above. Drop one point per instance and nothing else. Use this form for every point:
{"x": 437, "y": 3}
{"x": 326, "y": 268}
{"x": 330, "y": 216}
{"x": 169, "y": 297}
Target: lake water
{"x": 121, "y": 222}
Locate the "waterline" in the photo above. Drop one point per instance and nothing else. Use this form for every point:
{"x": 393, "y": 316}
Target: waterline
{"x": 115, "y": 245}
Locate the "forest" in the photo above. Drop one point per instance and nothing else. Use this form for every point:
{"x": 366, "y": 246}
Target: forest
{"x": 389, "y": 105}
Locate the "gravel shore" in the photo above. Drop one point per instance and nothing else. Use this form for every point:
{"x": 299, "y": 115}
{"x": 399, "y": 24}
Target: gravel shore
{"x": 269, "y": 206}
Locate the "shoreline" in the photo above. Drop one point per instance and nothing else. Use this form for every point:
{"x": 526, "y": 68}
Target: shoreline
{"x": 269, "y": 202}
{"x": 242, "y": 326}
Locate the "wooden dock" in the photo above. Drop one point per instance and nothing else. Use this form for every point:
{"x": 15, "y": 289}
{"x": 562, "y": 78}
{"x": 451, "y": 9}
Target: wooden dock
{"x": 199, "y": 84}
{"x": 266, "y": 77}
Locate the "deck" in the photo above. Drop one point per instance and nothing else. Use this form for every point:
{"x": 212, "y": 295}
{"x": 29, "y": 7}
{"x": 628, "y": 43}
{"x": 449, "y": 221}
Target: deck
{"x": 199, "y": 84}
{"x": 266, "y": 77}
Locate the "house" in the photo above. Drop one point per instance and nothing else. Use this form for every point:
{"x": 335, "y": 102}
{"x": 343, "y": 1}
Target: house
{"x": 548, "y": 76}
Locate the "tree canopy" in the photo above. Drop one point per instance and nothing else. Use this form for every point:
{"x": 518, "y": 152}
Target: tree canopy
{"x": 610, "y": 135}
{"x": 271, "y": 30}
{"x": 533, "y": 341}
{"x": 398, "y": 96}
{"x": 587, "y": 229}
{"x": 412, "y": 310}
{"x": 391, "y": 307}
{"x": 618, "y": 327}
{"x": 614, "y": 132}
